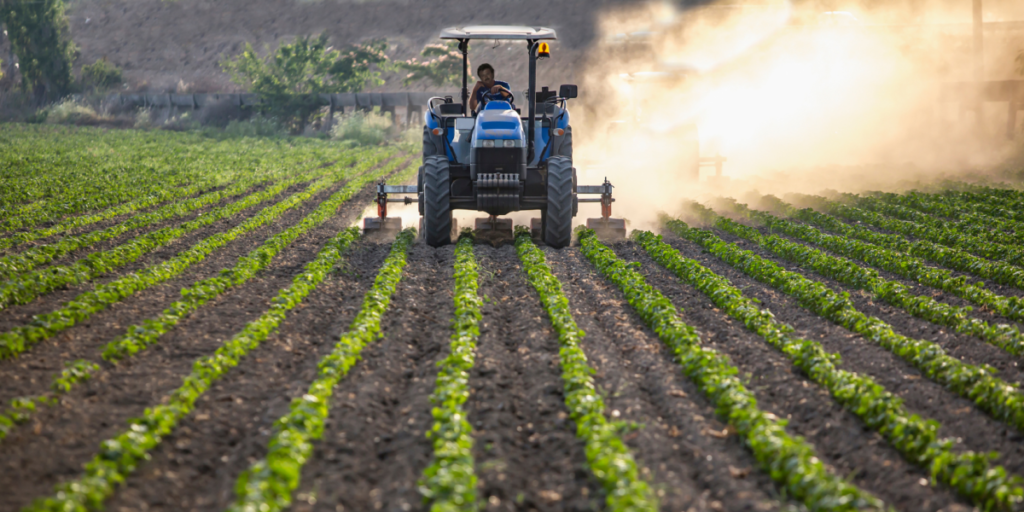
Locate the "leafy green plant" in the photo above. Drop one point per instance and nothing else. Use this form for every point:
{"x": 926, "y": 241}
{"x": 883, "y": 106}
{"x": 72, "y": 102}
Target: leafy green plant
{"x": 20, "y": 409}
{"x": 119, "y": 456}
{"x": 449, "y": 482}
{"x": 289, "y": 80}
{"x": 998, "y": 398}
{"x": 101, "y": 74}
{"x": 911, "y": 223}
{"x": 956, "y": 259}
{"x": 790, "y": 461}
{"x": 917, "y": 439}
{"x": 27, "y": 286}
{"x": 28, "y": 259}
{"x": 610, "y": 460}
{"x": 90, "y": 169}
{"x": 19, "y": 339}
{"x": 268, "y": 484}
{"x": 443, "y": 65}
{"x": 1003, "y": 336}
{"x": 139, "y": 337}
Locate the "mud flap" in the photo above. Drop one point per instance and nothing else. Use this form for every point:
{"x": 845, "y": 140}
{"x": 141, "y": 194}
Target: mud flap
{"x": 608, "y": 230}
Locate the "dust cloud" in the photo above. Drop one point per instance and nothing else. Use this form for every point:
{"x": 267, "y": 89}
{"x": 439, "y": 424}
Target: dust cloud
{"x": 797, "y": 97}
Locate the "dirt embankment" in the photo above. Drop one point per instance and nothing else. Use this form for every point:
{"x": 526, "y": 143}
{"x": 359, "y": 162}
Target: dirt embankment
{"x": 166, "y": 45}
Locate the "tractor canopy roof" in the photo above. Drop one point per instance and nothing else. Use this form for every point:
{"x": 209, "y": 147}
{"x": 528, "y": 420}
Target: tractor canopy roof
{"x": 506, "y": 32}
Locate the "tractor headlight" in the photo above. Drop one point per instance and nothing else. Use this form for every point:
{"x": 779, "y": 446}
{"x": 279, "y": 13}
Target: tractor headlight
{"x": 510, "y": 143}
{"x": 488, "y": 144}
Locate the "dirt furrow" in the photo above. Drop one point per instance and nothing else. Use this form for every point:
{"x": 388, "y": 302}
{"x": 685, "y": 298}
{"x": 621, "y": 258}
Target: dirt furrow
{"x": 841, "y": 439}
{"x": 526, "y": 451}
{"x": 959, "y": 417}
{"x": 196, "y": 467}
{"x": 680, "y": 444}
{"x": 918, "y": 289}
{"x": 16, "y": 315}
{"x": 374, "y": 449}
{"x": 59, "y": 440}
{"x": 964, "y": 347}
{"x": 31, "y": 373}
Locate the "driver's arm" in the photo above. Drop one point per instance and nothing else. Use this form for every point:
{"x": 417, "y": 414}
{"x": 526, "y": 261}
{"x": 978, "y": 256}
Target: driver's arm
{"x": 472, "y": 97}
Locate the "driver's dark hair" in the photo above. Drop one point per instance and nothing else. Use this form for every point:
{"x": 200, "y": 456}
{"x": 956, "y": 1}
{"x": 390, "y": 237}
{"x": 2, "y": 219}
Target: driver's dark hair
{"x": 482, "y": 67}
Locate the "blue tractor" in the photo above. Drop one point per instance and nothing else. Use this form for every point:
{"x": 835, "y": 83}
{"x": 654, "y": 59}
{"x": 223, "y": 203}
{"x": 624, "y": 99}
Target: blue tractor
{"x": 496, "y": 160}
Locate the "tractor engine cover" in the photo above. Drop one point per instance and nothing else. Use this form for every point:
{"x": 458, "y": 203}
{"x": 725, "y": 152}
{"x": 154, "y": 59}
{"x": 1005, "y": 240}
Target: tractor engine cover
{"x": 498, "y": 193}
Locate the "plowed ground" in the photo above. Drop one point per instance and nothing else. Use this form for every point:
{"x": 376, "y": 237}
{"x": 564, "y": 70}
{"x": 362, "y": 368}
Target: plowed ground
{"x": 528, "y": 457}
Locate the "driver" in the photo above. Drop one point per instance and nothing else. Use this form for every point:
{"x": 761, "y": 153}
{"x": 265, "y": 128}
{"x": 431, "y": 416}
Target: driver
{"x": 488, "y": 86}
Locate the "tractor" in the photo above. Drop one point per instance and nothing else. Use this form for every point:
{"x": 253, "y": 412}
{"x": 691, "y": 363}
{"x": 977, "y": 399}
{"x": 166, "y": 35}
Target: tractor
{"x": 496, "y": 160}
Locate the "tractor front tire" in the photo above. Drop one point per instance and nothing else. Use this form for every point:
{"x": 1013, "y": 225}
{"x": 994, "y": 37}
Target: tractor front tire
{"x": 558, "y": 214}
{"x": 437, "y": 210}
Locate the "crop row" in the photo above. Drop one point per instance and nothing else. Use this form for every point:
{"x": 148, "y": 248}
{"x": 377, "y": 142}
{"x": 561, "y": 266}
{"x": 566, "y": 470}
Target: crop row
{"x": 1004, "y": 336}
{"x": 110, "y": 169}
{"x": 20, "y": 409}
{"x": 139, "y": 337}
{"x": 790, "y": 461}
{"x": 449, "y": 482}
{"x": 964, "y": 216}
{"x": 119, "y": 456}
{"x": 907, "y": 266}
{"x": 990, "y": 202}
{"x": 979, "y": 384}
{"x": 267, "y": 485}
{"x": 956, "y": 259}
{"x": 29, "y": 285}
{"x": 895, "y": 218}
{"x": 19, "y": 339}
{"x": 33, "y": 257}
{"x": 173, "y": 209}
{"x": 609, "y": 458}
{"x": 915, "y": 438}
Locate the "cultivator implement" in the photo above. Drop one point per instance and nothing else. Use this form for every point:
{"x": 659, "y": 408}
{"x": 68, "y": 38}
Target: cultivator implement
{"x": 495, "y": 229}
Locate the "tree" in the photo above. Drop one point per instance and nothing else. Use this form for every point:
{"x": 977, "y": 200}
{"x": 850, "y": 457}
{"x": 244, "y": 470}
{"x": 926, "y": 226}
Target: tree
{"x": 38, "y": 33}
{"x": 289, "y": 80}
{"x": 444, "y": 65}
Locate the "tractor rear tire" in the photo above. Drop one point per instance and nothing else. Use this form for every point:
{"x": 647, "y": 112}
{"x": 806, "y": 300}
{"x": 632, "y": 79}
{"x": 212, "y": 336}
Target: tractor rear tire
{"x": 437, "y": 210}
{"x": 558, "y": 214}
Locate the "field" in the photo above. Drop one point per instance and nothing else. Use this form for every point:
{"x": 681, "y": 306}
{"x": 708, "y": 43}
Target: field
{"x": 194, "y": 324}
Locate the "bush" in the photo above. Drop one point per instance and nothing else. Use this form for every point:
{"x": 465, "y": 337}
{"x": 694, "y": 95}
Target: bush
{"x": 363, "y": 128}
{"x": 101, "y": 75}
{"x": 289, "y": 80}
{"x": 70, "y": 111}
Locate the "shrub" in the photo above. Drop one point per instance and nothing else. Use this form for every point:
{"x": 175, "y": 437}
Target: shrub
{"x": 289, "y": 80}
{"x": 70, "y": 111}
{"x": 101, "y": 74}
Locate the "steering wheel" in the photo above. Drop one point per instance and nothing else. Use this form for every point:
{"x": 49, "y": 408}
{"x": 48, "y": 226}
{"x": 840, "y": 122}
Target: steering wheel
{"x": 497, "y": 96}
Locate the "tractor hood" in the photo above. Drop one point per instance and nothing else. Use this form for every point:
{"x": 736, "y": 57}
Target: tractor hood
{"x": 499, "y": 122}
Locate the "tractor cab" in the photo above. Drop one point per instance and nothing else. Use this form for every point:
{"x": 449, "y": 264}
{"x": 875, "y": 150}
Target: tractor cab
{"x": 499, "y": 159}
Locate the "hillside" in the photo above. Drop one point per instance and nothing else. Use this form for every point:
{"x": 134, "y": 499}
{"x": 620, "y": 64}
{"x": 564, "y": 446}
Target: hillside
{"x": 164, "y": 45}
